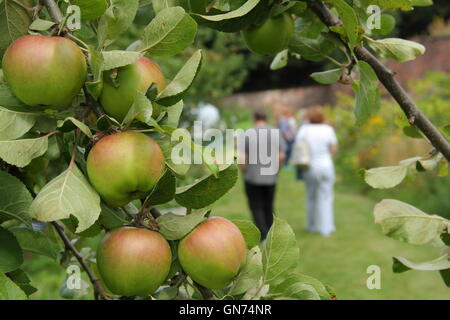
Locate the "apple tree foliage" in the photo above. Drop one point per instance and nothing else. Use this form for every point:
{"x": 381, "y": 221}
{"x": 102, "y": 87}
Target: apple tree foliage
{"x": 47, "y": 204}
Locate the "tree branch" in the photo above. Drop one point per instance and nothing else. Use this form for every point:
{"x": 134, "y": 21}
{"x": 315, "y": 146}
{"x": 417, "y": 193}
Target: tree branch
{"x": 386, "y": 76}
{"x": 53, "y": 10}
{"x": 99, "y": 293}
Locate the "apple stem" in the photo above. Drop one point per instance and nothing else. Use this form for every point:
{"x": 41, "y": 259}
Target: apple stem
{"x": 99, "y": 292}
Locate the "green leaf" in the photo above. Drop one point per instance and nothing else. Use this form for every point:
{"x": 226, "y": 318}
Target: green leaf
{"x": 406, "y": 223}
{"x": 41, "y": 25}
{"x": 175, "y": 227}
{"x": 280, "y": 61}
{"x": 402, "y": 264}
{"x": 9, "y": 290}
{"x": 159, "y": 5}
{"x": 178, "y": 87}
{"x": 297, "y": 290}
{"x": 14, "y": 22}
{"x": 208, "y": 190}
{"x": 429, "y": 163}
{"x": 446, "y": 131}
{"x": 280, "y": 253}
{"x": 296, "y": 277}
{"x": 445, "y": 274}
{"x": 11, "y": 256}
{"x": 389, "y": 177}
{"x": 71, "y": 123}
{"x": 141, "y": 109}
{"x": 169, "y": 33}
{"x": 237, "y": 19}
{"x": 14, "y": 124}
{"x": 95, "y": 86}
{"x": 367, "y": 101}
{"x": 35, "y": 242}
{"x": 112, "y": 218}
{"x": 105, "y": 122}
{"x": 119, "y": 58}
{"x": 398, "y": 49}
{"x": 9, "y": 101}
{"x": 67, "y": 194}
{"x": 250, "y": 274}
{"x": 412, "y": 132}
{"x": 327, "y": 77}
{"x": 315, "y": 49}
{"x": 71, "y": 225}
{"x": 164, "y": 191}
{"x": 91, "y": 9}
{"x": 15, "y": 200}
{"x": 422, "y": 3}
{"x": 350, "y": 20}
{"x": 386, "y": 177}
{"x": 167, "y": 145}
{"x": 168, "y": 293}
{"x": 20, "y": 278}
{"x": 116, "y": 20}
{"x": 250, "y": 232}
{"x": 173, "y": 115}
{"x": 20, "y": 152}
{"x": 391, "y": 4}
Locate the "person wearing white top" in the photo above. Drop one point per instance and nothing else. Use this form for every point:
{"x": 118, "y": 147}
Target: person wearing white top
{"x": 319, "y": 176}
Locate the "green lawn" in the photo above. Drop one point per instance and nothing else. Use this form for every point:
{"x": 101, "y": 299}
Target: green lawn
{"x": 340, "y": 260}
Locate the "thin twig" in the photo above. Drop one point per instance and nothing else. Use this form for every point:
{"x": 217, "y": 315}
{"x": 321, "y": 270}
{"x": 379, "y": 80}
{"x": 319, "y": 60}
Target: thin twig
{"x": 90, "y": 101}
{"x": 205, "y": 292}
{"x": 71, "y": 36}
{"x": 53, "y": 10}
{"x": 387, "y": 78}
{"x": 99, "y": 293}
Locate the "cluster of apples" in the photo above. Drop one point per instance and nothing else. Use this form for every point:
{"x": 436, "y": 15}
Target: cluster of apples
{"x": 136, "y": 261}
{"x": 48, "y": 72}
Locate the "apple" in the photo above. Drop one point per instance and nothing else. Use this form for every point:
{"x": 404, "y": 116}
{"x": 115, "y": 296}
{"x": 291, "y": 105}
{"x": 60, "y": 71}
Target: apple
{"x": 270, "y": 37}
{"x": 120, "y": 86}
{"x": 44, "y": 71}
{"x": 133, "y": 261}
{"x": 213, "y": 253}
{"x": 125, "y": 166}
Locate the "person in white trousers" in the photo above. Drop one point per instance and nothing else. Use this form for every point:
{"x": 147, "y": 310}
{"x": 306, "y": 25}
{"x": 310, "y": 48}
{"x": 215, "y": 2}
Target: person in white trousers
{"x": 319, "y": 176}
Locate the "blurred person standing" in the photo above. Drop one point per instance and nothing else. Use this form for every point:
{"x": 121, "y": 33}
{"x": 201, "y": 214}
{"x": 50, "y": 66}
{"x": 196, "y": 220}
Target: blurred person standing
{"x": 287, "y": 125}
{"x": 262, "y": 154}
{"x": 319, "y": 176}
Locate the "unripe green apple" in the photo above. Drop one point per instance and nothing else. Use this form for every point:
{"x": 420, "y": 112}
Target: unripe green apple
{"x": 270, "y": 37}
{"x": 44, "y": 71}
{"x": 133, "y": 261}
{"x": 125, "y": 166}
{"x": 118, "y": 95}
{"x": 213, "y": 253}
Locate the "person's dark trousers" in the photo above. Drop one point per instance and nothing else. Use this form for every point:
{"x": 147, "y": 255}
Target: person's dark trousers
{"x": 289, "y": 148}
{"x": 260, "y": 200}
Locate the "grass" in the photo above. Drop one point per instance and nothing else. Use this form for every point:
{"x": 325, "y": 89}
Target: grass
{"x": 340, "y": 260}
